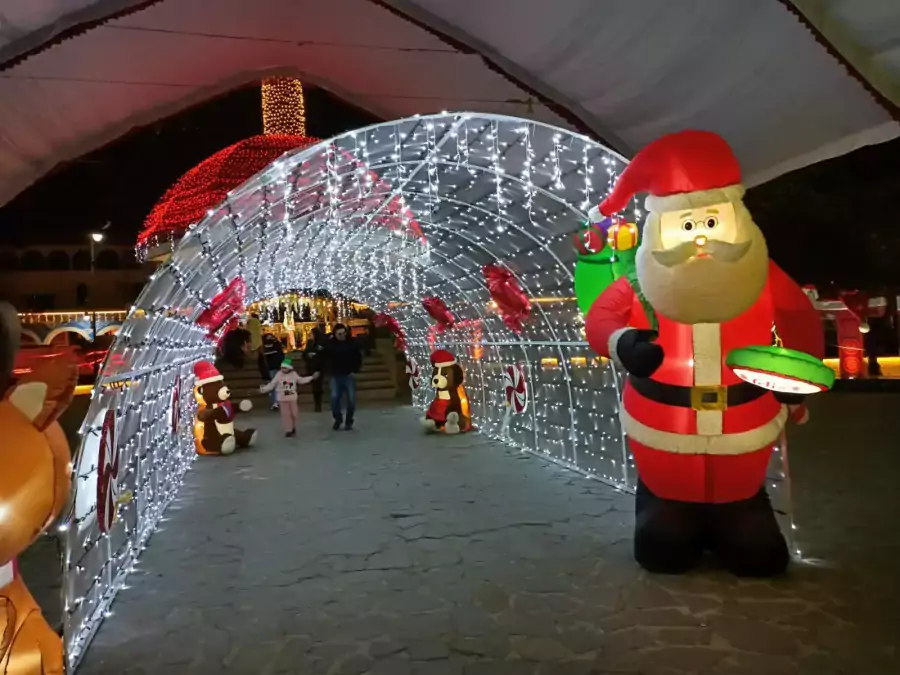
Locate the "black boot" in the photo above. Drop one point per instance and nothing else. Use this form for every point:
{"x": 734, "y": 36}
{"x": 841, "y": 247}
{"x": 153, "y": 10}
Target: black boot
{"x": 668, "y": 535}
{"x": 746, "y": 538}
{"x": 337, "y": 423}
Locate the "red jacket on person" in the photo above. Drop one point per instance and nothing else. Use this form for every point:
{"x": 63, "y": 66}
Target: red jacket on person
{"x": 707, "y": 455}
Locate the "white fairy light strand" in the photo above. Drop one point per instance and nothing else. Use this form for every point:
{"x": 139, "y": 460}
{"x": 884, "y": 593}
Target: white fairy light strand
{"x": 410, "y": 209}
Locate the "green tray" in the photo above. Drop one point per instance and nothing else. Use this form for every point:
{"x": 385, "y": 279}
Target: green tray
{"x": 781, "y": 369}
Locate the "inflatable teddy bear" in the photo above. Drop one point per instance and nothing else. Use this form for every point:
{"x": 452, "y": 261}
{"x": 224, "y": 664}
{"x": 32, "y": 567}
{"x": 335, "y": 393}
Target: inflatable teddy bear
{"x": 35, "y": 469}
{"x": 214, "y": 431}
{"x": 449, "y": 412}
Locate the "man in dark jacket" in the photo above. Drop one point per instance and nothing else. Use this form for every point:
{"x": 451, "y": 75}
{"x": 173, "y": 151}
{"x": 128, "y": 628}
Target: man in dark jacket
{"x": 273, "y": 355}
{"x": 313, "y": 353}
{"x": 344, "y": 360}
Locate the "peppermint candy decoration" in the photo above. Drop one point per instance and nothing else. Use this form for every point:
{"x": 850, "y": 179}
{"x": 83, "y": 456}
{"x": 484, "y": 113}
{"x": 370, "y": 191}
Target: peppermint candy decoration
{"x": 176, "y": 407}
{"x": 107, "y": 473}
{"x": 516, "y": 391}
{"x": 412, "y": 369}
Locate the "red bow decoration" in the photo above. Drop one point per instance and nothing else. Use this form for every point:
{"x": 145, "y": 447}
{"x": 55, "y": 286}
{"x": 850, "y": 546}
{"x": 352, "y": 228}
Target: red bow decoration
{"x": 438, "y": 311}
{"x": 224, "y": 308}
{"x": 387, "y": 321}
{"x": 511, "y": 300}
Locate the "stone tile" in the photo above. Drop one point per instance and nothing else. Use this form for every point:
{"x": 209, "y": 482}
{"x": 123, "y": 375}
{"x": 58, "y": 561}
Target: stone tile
{"x": 428, "y": 650}
{"x": 387, "y": 552}
{"x": 540, "y": 649}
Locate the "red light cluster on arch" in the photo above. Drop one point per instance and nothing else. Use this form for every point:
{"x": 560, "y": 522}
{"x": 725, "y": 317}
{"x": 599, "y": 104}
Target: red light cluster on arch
{"x": 206, "y": 185}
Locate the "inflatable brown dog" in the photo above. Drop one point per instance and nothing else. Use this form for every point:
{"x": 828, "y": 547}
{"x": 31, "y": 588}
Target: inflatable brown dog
{"x": 449, "y": 412}
{"x": 35, "y": 469}
{"x": 216, "y": 413}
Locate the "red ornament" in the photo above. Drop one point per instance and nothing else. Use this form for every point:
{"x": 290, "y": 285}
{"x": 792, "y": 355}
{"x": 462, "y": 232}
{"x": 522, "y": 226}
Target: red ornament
{"x": 590, "y": 240}
{"x": 506, "y": 292}
{"x": 438, "y": 311}
{"x": 224, "y": 308}
{"x": 387, "y": 321}
{"x": 207, "y": 185}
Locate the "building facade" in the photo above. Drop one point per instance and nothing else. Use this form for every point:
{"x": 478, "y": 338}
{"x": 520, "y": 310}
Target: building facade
{"x": 47, "y": 278}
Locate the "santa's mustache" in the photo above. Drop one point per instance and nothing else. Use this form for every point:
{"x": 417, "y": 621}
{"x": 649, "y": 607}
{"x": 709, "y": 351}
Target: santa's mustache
{"x": 720, "y": 251}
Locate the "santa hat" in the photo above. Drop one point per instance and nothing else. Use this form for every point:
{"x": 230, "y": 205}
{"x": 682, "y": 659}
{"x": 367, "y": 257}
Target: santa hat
{"x": 205, "y": 372}
{"x": 442, "y": 358}
{"x": 287, "y": 365}
{"x": 686, "y": 170}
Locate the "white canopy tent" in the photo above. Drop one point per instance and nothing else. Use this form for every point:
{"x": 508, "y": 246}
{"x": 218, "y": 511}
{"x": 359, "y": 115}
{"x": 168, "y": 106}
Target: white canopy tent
{"x": 78, "y": 73}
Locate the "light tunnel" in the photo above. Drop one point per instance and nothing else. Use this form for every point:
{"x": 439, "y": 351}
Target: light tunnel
{"x": 450, "y": 193}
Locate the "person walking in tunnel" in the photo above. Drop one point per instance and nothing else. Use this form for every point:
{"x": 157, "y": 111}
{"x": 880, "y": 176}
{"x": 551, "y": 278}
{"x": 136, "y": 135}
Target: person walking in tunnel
{"x": 313, "y": 353}
{"x": 273, "y": 356}
{"x": 284, "y": 383}
{"x": 344, "y": 360}
{"x": 234, "y": 349}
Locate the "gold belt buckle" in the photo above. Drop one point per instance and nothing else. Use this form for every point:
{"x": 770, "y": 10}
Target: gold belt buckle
{"x": 711, "y": 397}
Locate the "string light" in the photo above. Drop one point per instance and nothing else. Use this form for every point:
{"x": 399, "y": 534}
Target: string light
{"x": 432, "y": 199}
{"x": 283, "y": 106}
{"x": 205, "y": 186}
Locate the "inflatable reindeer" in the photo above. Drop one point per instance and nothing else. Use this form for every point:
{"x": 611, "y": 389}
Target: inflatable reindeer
{"x": 35, "y": 468}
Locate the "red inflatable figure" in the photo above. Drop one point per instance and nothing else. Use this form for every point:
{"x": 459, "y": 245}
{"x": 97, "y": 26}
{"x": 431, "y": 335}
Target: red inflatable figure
{"x": 704, "y": 286}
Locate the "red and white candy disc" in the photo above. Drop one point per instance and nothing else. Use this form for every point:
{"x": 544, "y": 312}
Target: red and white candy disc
{"x": 516, "y": 391}
{"x": 412, "y": 369}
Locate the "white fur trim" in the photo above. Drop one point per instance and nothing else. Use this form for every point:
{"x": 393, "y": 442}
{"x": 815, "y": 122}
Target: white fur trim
{"x": 29, "y": 398}
{"x": 707, "y": 361}
{"x": 214, "y": 378}
{"x": 7, "y": 573}
{"x": 228, "y": 445}
{"x": 445, "y": 364}
{"x": 694, "y": 200}
{"x": 689, "y": 444}
{"x": 594, "y": 214}
{"x": 613, "y": 345}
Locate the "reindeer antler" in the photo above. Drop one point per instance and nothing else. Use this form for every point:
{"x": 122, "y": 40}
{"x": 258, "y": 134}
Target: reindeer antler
{"x": 10, "y": 334}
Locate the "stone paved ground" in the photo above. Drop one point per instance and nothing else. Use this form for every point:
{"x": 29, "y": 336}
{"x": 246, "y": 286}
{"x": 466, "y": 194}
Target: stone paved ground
{"x": 381, "y": 552}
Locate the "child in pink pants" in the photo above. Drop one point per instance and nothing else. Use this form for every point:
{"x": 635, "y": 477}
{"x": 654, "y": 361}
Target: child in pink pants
{"x": 285, "y": 385}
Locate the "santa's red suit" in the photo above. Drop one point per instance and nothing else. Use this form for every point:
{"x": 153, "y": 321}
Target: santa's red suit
{"x": 438, "y": 409}
{"x": 720, "y": 453}
{"x": 701, "y": 437}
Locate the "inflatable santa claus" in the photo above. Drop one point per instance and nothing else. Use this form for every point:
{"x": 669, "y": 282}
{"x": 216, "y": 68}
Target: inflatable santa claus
{"x": 704, "y": 286}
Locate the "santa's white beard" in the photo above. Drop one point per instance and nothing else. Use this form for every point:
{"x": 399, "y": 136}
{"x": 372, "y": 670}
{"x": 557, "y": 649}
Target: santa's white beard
{"x": 704, "y": 290}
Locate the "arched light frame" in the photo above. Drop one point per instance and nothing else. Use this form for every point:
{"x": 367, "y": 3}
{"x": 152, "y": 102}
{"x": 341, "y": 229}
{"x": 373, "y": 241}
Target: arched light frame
{"x": 482, "y": 189}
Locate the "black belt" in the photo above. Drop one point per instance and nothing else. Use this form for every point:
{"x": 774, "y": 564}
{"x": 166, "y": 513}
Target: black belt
{"x": 713, "y": 397}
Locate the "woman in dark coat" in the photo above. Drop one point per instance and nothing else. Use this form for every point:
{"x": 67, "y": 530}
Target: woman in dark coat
{"x": 313, "y": 355}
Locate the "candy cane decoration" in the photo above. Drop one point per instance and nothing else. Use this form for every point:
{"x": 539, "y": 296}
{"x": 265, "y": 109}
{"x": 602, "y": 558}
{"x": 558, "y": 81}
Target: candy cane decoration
{"x": 107, "y": 473}
{"x": 412, "y": 369}
{"x": 516, "y": 393}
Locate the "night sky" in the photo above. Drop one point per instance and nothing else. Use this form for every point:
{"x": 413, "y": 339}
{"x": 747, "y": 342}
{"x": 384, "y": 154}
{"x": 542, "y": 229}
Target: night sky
{"x": 836, "y": 221}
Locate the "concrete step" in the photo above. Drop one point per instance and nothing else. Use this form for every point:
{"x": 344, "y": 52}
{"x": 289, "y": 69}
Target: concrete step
{"x": 305, "y": 400}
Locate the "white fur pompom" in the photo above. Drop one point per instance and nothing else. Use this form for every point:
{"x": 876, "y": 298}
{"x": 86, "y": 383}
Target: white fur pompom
{"x": 246, "y": 405}
{"x": 594, "y": 214}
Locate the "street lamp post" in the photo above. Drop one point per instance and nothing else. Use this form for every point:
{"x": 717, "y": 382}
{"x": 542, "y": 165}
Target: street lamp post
{"x": 95, "y": 238}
